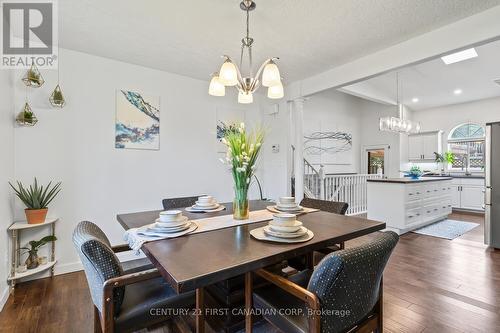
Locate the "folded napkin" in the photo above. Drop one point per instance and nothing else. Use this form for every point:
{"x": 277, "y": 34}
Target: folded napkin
{"x": 135, "y": 239}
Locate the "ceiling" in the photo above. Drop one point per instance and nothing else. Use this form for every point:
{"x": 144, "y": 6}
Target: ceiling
{"x": 434, "y": 83}
{"x": 188, "y": 37}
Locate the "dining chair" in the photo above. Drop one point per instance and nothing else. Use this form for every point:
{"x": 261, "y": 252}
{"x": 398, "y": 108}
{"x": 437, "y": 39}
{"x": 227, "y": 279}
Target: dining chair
{"x": 173, "y": 203}
{"x": 336, "y": 207}
{"x": 343, "y": 293}
{"x": 123, "y": 299}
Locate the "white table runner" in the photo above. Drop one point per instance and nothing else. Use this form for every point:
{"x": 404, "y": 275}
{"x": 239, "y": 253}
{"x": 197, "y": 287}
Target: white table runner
{"x": 135, "y": 240}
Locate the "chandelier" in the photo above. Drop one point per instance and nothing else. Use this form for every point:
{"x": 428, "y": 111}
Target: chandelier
{"x": 229, "y": 74}
{"x": 400, "y": 124}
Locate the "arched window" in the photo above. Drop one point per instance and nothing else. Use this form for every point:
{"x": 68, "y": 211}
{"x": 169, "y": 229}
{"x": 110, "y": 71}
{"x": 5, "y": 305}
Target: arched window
{"x": 466, "y": 141}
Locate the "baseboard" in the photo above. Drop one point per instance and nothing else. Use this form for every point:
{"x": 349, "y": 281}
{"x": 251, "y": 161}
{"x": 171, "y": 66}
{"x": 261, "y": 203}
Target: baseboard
{"x": 4, "y": 296}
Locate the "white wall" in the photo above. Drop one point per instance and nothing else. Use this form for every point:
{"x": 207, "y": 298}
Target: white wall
{"x": 6, "y": 174}
{"x": 371, "y": 136}
{"x": 447, "y": 117}
{"x": 75, "y": 145}
{"x": 333, "y": 111}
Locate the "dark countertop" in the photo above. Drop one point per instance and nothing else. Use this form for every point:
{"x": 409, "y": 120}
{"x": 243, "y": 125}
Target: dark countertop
{"x": 409, "y": 180}
{"x": 457, "y": 176}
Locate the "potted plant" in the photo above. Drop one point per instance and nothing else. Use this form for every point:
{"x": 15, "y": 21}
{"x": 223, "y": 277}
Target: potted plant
{"x": 449, "y": 157}
{"x": 242, "y": 153}
{"x": 439, "y": 159}
{"x": 32, "y": 260}
{"x": 36, "y": 198}
{"x": 415, "y": 172}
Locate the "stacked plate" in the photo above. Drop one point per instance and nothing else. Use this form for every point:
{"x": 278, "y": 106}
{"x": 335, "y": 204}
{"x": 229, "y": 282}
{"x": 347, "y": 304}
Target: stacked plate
{"x": 170, "y": 221}
{"x": 288, "y": 204}
{"x": 285, "y": 226}
{"x": 205, "y": 204}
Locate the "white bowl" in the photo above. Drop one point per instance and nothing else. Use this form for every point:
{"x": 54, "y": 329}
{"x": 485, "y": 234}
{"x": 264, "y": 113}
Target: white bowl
{"x": 206, "y": 199}
{"x": 284, "y": 219}
{"x": 170, "y": 215}
{"x": 287, "y": 200}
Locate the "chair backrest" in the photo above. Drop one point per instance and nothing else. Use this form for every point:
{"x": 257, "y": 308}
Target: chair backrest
{"x": 336, "y": 207}
{"x": 347, "y": 282}
{"x": 99, "y": 262}
{"x": 172, "y": 203}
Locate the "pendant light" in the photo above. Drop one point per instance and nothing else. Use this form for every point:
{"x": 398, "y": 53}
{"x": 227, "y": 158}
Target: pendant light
{"x": 230, "y": 75}
{"x": 399, "y": 124}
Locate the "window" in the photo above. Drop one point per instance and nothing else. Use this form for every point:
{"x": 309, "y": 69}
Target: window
{"x": 466, "y": 141}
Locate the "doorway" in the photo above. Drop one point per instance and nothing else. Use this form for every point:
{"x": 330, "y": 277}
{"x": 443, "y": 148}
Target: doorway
{"x": 375, "y": 161}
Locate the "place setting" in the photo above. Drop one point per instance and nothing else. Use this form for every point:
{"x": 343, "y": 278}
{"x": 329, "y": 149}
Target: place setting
{"x": 288, "y": 205}
{"x": 169, "y": 224}
{"x": 283, "y": 228}
{"x": 205, "y": 204}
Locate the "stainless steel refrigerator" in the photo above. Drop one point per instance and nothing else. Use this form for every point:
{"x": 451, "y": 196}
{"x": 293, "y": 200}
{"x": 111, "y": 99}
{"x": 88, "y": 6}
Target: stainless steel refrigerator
{"x": 492, "y": 192}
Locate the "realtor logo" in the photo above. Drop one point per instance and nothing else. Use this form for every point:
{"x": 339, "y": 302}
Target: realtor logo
{"x": 29, "y": 34}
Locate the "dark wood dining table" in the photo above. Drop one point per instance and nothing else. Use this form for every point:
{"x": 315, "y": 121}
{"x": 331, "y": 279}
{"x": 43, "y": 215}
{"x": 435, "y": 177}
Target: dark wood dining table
{"x": 195, "y": 261}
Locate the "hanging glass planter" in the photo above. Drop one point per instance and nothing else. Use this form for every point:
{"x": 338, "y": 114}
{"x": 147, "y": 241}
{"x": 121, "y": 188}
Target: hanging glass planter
{"x": 33, "y": 78}
{"x": 57, "y": 98}
{"x": 26, "y": 117}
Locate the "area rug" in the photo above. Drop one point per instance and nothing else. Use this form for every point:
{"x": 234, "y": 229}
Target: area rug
{"x": 448, "y": 229}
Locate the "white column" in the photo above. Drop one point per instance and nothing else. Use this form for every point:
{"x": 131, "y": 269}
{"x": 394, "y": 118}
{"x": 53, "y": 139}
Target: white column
{"x": 298, "y": 105}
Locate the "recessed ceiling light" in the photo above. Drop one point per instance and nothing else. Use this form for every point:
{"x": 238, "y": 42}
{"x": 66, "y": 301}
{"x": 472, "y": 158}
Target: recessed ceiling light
{"x": 459, "y": 56}
{"x": 457, "y": 91}
{"x": 415, "y": 99}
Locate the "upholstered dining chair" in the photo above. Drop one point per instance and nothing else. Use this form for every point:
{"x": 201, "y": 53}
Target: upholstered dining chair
{"x": 173, "y": 203}
{"x": 336, "y": 207}
{"x": 343, "y": 293}
{"x": 123, "y": 298}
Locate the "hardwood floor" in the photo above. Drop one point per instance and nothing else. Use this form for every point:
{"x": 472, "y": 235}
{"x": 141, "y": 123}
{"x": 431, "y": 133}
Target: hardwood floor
{"x": 430, "y": 285}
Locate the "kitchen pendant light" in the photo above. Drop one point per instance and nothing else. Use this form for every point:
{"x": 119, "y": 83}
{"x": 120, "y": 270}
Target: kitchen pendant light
{"x": 230, "y": 75}
{"x": 399, "y": 124}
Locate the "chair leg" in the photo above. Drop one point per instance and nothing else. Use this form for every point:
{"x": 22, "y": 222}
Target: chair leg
{"x": 97, "y": 321}
{"x": 342, "y": 245}
{"x": 380, "y": 307}
{"x": 248, "y": 302}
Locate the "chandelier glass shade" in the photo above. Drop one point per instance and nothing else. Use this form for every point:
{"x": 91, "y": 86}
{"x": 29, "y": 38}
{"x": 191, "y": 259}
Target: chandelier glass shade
{"x": 229, "y": 75}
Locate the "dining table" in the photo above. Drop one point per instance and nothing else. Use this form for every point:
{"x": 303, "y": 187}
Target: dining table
{"x": 195, "y": 261}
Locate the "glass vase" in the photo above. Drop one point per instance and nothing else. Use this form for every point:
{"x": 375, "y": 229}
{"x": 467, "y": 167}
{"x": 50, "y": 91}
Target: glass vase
{"x": 241, "y": 209}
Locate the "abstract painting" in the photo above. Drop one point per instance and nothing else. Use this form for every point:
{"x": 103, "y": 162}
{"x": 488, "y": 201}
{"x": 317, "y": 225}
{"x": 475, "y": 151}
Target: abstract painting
{"x": 318, "y": 143}
{"x": 137, "y": 120}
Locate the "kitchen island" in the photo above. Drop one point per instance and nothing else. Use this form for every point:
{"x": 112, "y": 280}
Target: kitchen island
{"x": 406, "y": 204}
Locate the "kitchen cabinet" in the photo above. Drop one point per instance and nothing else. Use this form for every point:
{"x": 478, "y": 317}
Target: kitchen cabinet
{"x": 468, "y": 194}
{"x": 421, "y": 146}
{"x": 406, "y": 205}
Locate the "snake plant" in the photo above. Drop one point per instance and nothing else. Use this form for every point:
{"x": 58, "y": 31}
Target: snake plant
{"x": 36, "y": 196}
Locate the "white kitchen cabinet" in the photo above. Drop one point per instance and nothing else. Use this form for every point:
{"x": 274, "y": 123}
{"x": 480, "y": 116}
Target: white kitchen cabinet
{"x": 406, "y": 205}
{"x": 415, "y": 145}
{"x": 467, "y": 193}
{"x": 421, "y": 146}
{"x": 471, "y": 197}
{"x": 455, "y": 196}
